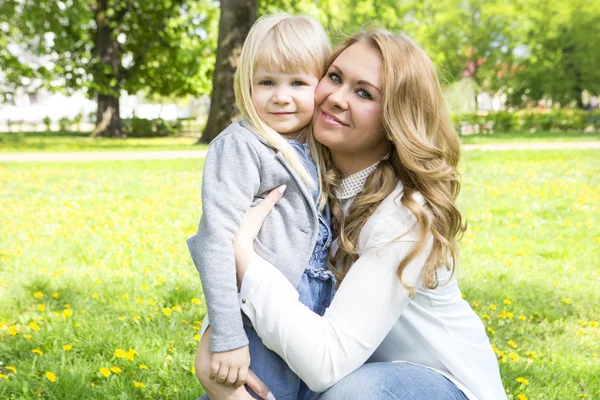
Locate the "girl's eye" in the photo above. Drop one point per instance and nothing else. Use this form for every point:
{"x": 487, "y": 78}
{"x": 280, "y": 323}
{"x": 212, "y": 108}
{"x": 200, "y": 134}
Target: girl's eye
{"x": 335, "y": 77}
{"x": 266, "y": 83}
{"x": 364, "y": 94}
{"x": 298, "y": 83}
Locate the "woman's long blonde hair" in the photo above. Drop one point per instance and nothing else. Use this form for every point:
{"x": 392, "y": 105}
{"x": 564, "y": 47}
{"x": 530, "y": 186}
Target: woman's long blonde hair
{"x": 286, "y": 43}
{"x": 425, "y": 151}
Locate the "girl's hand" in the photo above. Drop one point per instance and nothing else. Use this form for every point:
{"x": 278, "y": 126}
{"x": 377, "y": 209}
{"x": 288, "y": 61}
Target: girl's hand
{"x": 218, "y": 391}
{"x": 243, "y": 243}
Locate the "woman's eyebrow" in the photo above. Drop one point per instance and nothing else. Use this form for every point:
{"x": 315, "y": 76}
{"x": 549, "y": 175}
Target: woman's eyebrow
{"x": 360, "y": 82}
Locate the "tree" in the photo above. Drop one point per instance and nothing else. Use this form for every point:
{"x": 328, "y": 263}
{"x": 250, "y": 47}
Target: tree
{"x": 107, "y": 46}
{"x": 237, "y": 17}
{"x": 561, "y": 56}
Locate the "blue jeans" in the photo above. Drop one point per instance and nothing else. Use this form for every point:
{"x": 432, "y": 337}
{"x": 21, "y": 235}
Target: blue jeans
{"x": 316, "y": 292}
{"x": 394, "y": 381}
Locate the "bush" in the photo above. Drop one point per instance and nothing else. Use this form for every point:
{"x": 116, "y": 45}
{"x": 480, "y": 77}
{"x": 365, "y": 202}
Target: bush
{"x": 527, "y": 120}
{"x": 63, "y": 124}
{"x": 142, "y": 128}
{"x": 48, "y": 123}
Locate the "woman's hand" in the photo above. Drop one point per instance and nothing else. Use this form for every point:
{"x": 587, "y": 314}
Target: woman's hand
{"x": 243, "y": 243}
{"x": 217, "y": 391}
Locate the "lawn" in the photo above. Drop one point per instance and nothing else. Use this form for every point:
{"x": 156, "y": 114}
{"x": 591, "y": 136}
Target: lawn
{"x": 99, "y": 298}
{"x": 12, "y": 142}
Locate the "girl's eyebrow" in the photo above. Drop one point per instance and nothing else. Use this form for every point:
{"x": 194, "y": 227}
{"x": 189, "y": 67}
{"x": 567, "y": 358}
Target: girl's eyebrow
{"x": 360, "y": 82}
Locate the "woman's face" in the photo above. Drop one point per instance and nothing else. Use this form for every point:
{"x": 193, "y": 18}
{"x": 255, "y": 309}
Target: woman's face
{"x": 349, "y": 105}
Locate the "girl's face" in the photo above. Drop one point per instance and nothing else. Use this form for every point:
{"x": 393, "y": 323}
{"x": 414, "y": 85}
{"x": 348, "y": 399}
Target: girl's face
{"x": 349, "y": 106}
{"x": 284, "y": 101}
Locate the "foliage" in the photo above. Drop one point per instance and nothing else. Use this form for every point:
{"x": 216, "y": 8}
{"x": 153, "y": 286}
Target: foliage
{"x": 163, "y": 46}
{"x": 558, "y": 120}
{"x": 146, "y": 128}
{"x": 47, "y": 121}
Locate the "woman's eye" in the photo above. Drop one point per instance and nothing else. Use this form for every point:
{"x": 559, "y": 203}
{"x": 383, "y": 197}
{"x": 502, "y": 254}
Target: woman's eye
{"x": 364, "y": 94}
{"x": 335, "y": 77}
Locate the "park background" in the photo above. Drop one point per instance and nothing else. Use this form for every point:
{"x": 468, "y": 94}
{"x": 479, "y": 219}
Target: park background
{"x": 106, "y": 107}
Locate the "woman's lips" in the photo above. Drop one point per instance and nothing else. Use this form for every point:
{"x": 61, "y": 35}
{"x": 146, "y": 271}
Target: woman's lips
{"x": 331, "y": 120}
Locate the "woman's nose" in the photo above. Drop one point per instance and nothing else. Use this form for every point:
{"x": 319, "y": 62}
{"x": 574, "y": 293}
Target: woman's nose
{"x": 338, "y": 98}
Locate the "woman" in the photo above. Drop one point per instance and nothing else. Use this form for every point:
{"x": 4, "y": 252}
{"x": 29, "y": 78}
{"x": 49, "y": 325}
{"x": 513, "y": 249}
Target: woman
{"x": 398, "y": 309}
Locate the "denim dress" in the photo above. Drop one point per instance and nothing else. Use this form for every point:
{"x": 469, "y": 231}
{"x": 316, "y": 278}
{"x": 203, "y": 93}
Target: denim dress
{"x": 316, "y": 290}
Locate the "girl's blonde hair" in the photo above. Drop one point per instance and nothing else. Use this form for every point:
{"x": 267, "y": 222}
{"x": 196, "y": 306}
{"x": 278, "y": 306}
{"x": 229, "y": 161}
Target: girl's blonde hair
{"x": 425, "y": 151}
{"x": 290, "y": 44}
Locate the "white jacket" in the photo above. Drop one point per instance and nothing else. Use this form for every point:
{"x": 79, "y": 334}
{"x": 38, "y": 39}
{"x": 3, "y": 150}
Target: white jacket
{"x": 372, "y": 317}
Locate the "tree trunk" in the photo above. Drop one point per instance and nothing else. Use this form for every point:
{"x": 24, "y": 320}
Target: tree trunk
{"x": 237, "y": 17}
{"x": 108, "y": 120}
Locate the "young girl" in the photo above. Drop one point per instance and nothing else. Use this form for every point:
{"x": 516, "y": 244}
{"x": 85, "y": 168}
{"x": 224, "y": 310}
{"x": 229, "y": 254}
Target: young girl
{"x": 280, "y": 65}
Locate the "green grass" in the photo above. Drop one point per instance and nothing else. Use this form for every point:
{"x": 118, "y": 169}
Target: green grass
{"x": 11, "y": 142}
{"x": 109, "y": 240}
{"x": 527, "y": 137}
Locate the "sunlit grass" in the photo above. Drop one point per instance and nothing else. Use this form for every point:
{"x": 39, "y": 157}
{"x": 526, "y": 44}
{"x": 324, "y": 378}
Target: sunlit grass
{"x": 95, "y": 274}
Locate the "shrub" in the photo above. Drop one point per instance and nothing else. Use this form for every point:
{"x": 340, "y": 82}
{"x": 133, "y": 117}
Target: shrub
{"x": 48, "y": 122}
{"x": 64, "y": 123}
{"x": 139, "y": 127}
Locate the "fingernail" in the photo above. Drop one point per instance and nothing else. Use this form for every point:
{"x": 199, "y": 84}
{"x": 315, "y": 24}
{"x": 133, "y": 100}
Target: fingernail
{"x": 270, "y": 395}
{"x": 280, "y": 190}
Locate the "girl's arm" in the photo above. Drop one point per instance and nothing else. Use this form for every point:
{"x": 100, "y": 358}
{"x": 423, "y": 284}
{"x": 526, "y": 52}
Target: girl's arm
{"x": 323, "y": 350}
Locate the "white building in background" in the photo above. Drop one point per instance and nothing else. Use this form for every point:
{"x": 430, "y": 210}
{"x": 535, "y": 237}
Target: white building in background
{"x": 33, "y": 108}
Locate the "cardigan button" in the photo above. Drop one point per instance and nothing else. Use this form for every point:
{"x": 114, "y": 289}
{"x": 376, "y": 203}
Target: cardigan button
{"x": 243, "y": 301}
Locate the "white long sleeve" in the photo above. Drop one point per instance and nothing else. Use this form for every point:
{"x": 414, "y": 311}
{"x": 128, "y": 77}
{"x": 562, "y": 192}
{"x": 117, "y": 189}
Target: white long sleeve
{"x": 323, "y": 350}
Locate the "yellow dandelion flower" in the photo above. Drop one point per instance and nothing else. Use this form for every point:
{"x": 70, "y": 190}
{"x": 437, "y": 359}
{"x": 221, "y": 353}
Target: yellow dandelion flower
{"x": 489, "y": 329}
{"x": 105, "y": 372}
{"x": 593, "y": 324}
{"x": 119, "y": 353}
{"x": 197, "y": 336}
{"x": 97, "y": 281}
{"x": 143, "y": 366}
{"x": 12, "y": 369}
{"x": 2, "y": 376}
{"x": 513, "y": 357}
{"x": 51, "y": 376}
{"x": 55, "y": 295}
{"x": 196, "y": 301}
{"x": 130, "y": 354}
{"x": 67, "y": 313}
{"x": 116, "y": 370}
{"x": 567, "y": 301}
{"x": 37, "y": 351}
{"x": 136, "y": 318}
{"x": 125, "y": 297}
{"x": 521, "y": 397}
{"x": 531, "y": 354}
{"x": 38, "y": 295}
{"x": 509, "y": 315}
{"x": 41, "y": 307}
{"x": 522, "y": 380}
{"x": 67, "y": 347}
{"x": 522, "y": 317}
{"x": 33, "y": 325}
{"x": 121, "y": 318}
{"x": 151, "y": 302}
{"x": 580, "y": 332}
{"x": 493, "y": 307}
{"x": 12, "y": 330}
{"x": 512, "y": 344}
{"x": 144, "y": 287}
{"x": 140, "y": 300}
{"x": 95, "y": 296}
{"x": 176, "y": 308}
{"x": 507, "y": 302}
{"x": 167, "y": 311}
{"x": 138, "y": 385}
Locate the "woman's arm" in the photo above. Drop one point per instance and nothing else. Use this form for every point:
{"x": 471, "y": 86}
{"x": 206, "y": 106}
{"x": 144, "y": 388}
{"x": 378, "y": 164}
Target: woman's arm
{"x": 323, "y": 350}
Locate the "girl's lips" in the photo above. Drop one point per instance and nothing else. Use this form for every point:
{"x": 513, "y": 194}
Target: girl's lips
{"x": 331, "y": 120}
